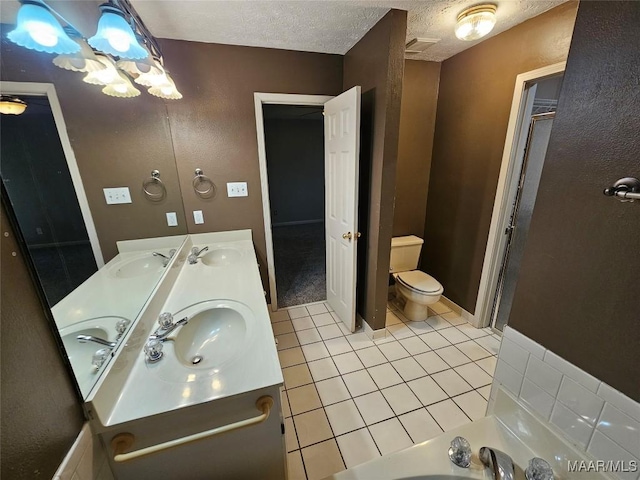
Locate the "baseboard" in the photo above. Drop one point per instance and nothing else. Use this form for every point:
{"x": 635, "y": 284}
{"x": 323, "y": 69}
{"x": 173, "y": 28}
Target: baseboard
{"x": 469, "y": 317}
{"x": 299, "y": 222}
{"x": 370, "y": 332}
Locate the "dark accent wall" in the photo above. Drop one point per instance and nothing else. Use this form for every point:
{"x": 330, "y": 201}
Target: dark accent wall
{"x": 376, "y": 63}
{"x": 474, "y": 101}
{"x": 41, "y": 413}
{"x": 417, "y": 125}
{"x": 577, "y": 291}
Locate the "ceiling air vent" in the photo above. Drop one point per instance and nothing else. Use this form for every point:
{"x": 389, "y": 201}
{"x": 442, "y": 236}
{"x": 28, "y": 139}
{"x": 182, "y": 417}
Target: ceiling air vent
{"x": 419, "y": 45}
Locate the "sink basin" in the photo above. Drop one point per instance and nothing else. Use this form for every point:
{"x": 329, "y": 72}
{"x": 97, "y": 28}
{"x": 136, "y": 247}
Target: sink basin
{"x": 143, "y": 265}
{"x": 221, "y": 256}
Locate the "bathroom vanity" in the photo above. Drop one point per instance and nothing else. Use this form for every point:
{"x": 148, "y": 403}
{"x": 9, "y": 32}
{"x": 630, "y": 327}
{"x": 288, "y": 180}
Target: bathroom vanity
{"x": 199, "y": 396}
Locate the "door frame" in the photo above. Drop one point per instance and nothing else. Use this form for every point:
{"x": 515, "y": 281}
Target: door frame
{"x": 48, "y": 90}
{"x": 261, "y": 99}
{"x": 512, "y": 158}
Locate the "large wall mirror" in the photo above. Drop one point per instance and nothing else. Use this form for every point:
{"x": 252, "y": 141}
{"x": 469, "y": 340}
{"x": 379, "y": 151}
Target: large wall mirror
{"x": 97, "y": 263}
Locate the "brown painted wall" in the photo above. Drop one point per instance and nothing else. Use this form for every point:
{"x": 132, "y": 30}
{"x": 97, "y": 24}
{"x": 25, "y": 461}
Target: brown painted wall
{"x": 417, "y": 125}
{"x": 41, "y": 414}
{"x": 476, "y": 90}
{"x": 214, "y": 126}
{"x": 376, "y": 63}
{"x": 577, "y": 291}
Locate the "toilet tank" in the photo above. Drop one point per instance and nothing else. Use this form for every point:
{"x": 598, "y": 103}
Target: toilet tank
{"x": 405, "y": 253}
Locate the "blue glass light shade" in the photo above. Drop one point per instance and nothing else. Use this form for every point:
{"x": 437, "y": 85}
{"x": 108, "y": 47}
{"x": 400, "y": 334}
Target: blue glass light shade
{"x": 115, "y": 36}
{"x": 37, "y": 29}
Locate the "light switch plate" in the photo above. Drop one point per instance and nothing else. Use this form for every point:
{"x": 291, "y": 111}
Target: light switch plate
{"x": 114, "y": 196}
{"x": 237, "y": 189}
{"x": 198, "y": 217}
{"x": 172, "y": 219}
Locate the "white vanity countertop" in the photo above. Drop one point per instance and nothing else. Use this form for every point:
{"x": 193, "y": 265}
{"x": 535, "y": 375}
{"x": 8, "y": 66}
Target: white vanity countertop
{"x": 164, "y": 386}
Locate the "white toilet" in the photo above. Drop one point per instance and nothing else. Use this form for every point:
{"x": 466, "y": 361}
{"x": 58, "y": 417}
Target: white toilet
{"x": 416, "y": 287}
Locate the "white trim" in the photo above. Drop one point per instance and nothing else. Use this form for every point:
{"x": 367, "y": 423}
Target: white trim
{"x": 49, "y": 90}
{"x": 299, "y": 222}
{"x": 370, "y": 332}
{"x": 279, "y": 99}
{"x": 505, "y": 191}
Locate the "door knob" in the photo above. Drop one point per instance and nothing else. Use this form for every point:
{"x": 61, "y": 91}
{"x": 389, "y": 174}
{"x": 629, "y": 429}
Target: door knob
{"x": 347, "y": 236}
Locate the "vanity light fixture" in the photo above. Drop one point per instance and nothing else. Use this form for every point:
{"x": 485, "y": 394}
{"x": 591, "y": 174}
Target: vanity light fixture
{"x": 146, "y": 66}
{"x": 10, "y": 105}
{"x": 105, "y": 76}
{"x": 85, "y": 60}
{"x": 167, "y": 90}
{"x": 122, "y": 88}
{"x": 115, "y": 36}
{"x": 38, "y": 29}
{"x": 476, "y": 22}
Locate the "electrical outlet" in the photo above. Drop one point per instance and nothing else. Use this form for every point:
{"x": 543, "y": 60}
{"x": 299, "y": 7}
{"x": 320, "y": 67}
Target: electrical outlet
{"x": 172, "y": 219}
{"x": 237, "y": 189}
{"x": 118, "y": 195}
{"x": 198, "y": 218}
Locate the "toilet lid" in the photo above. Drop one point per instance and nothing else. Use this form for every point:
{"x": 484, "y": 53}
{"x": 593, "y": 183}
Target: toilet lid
{"x": 420, "y": 281}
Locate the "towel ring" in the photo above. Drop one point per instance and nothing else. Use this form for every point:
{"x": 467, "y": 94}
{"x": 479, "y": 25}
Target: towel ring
{"x": 201, "y": 179}
{"x": 154, "y": 179}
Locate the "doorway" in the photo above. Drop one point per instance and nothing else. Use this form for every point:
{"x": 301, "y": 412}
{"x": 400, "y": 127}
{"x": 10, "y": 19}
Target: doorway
{"x": 532, "y": 114}
{"x": 294, "y": 144}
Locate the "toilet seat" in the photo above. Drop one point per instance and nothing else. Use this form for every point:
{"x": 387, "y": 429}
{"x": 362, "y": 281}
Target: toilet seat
{"x": 420, "y": 282}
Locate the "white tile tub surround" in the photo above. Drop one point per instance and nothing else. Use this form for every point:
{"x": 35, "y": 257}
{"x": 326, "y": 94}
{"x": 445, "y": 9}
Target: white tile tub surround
{"x": 593, "y": 416}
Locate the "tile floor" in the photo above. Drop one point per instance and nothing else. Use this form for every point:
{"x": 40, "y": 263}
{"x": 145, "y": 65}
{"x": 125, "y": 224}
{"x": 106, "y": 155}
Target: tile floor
{"x": 348, "y": 399}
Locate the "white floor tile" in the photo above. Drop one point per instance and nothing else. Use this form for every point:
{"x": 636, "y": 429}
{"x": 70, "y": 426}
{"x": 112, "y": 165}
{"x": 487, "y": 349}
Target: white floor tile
{"x": 439, "y": 307}
{"x": 317, "y": 308}
{"x": 348, "y": 362}
{"x": 303, "y": 399}
{"x": 431, "y": 362}
{"x": 323, "y": 369}
{"x": 471, "y": 331}
{"x": 343, "y": 327}
{"x": 357, "y": 447}
{"x": 385, "y": 375}
{"x": 298, "y": 312}
{"x": 489, "y": 343}
{"x": 485, "y": 392}
{"x": 448, "y": 415}
{"x": 283, "y": 327}
{"x": 453, "y": 335}
{"x": 279, "y": 316}
{"x": 427, "y": 390}
{"x": 408, "y": 369}
{"x": 295, "y": 467}
{"x": 302, "y": 323}
{"x": 290, "y": 437}
{"x": 400, "y": 331}
{"x": 288, "y": 340}
{"x": 453, "y": 356}
{"x": 359, "y": 341}
{"x": 308, "y": 336}
{"x": 339, "y": 345}
{"x": 315, "y": 351}
{"x": 344, "y": 417}
{"x": 371, "y": 356}
{"x": 453, "y": 318}
{"x": 296, "y": 376}
{"x": 419, "y": 328}
{"x": 290, "y": 357}
{"x": 437, "y": 323}
{"x": 434, "y": 340}
{"x": 323, "y": 319}
{"x": 359, "y": 383}
{"x": 474, "y": 375}
{"x": 451, "y": 382}
{"x": 393, "y": 351}
{"x": 322, "y": 460}
{"x": 414, "y": 345}
{"x": 401, "y": 399}
{"x": 390, "y": 436}
{"x": 472, "y": 403}
{"x": 328, "y": 332}
{"x": 472, "y": 350}
{"x": 392, "y": 319}
{"x": 312, "y": 427}
{"x": 420, "y": 425}
{"x": 332, "y": 390}
{"x": 284, "y": 399}
{"x": 329, "y": 307}
{"x": 488, "y": 364}
{"x": 373, "y": 408}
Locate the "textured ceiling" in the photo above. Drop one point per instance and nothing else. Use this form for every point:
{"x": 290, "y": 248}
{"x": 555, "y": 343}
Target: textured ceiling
{"x": 327, "y": 26}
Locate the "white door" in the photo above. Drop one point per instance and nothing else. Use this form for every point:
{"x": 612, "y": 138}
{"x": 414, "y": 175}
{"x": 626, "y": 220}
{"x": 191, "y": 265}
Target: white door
{"x": 341, "y": 155}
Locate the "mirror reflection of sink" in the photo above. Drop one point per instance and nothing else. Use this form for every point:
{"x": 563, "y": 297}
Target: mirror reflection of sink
{"x": 221, "y": 256}
{"x": 143, "y": 265}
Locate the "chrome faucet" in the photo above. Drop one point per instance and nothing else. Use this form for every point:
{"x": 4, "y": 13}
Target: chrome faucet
{"x": 165, "y": 259}
{"x": 91, "y": 338}
{"x": 195, "y": 253}
{"x": 167, "y": 326}
{"x": 499, "y": 463}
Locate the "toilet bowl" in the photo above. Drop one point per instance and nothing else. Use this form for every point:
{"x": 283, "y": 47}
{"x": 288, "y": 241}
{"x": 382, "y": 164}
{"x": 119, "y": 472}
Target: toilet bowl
{"x": 419, "y": 290}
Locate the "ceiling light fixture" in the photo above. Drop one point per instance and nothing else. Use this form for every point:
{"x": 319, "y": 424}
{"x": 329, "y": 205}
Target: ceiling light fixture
{"x": 115, "y": 36}
{"x": 476, "y": 22}
{"x": 107, "y": 75}
{"x": 83, "y": 61}
{"x": 10, "y": 105}
{"x": 121, "y": 87}
{"x": 168, "y": 90}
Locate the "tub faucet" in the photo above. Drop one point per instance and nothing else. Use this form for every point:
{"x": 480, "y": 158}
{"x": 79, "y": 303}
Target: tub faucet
{"x": 499, "y": 463}
{"x": 91, "y": 338}
{"x": 195, "y": 253}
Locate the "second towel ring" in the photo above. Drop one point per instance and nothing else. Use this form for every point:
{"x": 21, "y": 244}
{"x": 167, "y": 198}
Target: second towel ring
{"x": 154, "y": 179}
{"x": 201, "y": 180}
